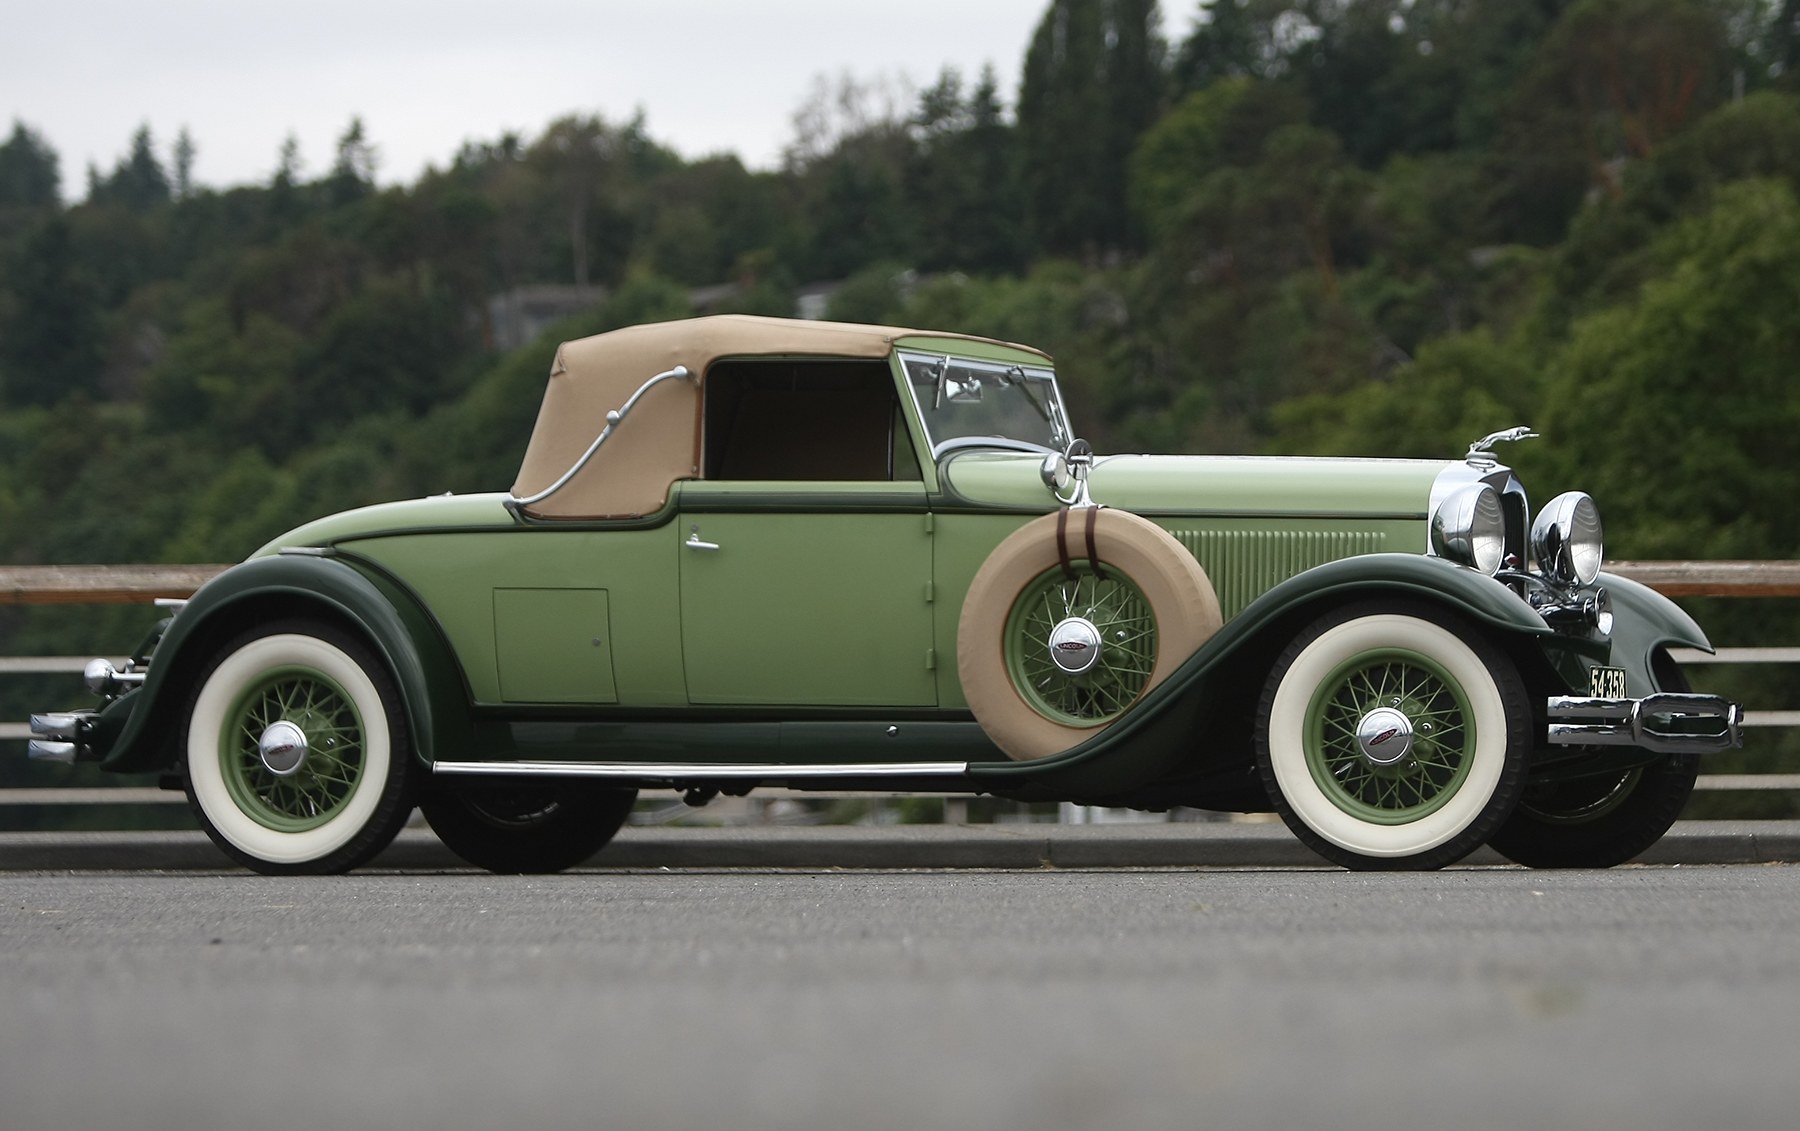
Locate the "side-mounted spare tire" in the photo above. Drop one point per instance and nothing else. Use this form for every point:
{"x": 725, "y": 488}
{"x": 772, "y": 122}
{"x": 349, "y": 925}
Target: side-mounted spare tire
{"x": 1071, "y": 619}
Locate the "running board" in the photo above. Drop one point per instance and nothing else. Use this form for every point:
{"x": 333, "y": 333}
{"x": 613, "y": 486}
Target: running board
{"x": 704, "y": 771}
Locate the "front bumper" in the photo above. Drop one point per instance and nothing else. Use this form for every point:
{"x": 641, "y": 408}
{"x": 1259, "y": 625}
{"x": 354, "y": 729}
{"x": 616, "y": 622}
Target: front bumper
{"x": 1664, "y": 723}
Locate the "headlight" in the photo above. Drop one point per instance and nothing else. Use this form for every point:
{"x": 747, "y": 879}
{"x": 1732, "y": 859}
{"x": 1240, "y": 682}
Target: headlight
{"x": 1566, "y": 539}
{"x": 1469, "y": 528}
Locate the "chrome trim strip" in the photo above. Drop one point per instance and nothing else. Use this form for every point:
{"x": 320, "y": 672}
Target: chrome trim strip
{"x": 1642, "y": 722}
{"x": 669, "y": 771}
{"x": 679, "y": 373}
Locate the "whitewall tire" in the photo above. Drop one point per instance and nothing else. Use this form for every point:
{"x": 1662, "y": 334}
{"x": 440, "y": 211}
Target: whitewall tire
{"x": 1393, "y": 736}
{"x": 297, "y": 757}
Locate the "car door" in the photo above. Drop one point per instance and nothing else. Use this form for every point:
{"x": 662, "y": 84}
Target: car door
{"x": 827, "y": 607}
{"x": 806, "y": 548}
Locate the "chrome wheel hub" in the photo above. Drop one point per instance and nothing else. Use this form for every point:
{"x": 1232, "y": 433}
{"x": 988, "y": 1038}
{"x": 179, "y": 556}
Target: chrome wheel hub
{"x": 1075, "y": 645}
{"x": 1385, "y": 736}
{"x": 283, "y": 748}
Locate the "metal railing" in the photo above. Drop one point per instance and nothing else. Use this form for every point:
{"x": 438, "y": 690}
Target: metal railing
{"x": 124, "y": 584}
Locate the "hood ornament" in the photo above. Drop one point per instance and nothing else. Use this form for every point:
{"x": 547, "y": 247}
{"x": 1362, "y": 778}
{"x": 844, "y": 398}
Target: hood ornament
{"x": 1480, "y": 453}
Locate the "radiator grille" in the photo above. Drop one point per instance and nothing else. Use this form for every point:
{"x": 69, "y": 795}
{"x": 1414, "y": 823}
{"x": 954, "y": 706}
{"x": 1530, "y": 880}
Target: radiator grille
{"x": 1245, "y": 564}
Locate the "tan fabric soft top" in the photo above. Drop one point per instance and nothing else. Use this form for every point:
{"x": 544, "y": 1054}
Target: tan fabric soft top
{"x": 659, "y": 442}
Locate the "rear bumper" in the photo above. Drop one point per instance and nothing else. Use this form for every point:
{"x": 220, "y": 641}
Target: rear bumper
{"x": 1664, "y": 723}
{"x": 61, "y": 736}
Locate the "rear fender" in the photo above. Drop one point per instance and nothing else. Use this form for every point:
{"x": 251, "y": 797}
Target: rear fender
{"x": 310, "y": 584}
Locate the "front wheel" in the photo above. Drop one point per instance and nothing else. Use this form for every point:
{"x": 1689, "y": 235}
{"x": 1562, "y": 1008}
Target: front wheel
{"x": 529, "y": 828}
{"x": 298, "y": 759}
{"x": 1393, "y": 736}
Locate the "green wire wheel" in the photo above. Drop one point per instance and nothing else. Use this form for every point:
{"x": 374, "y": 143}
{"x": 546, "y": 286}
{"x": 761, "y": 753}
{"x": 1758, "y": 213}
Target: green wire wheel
{"x": 1081, "y": 644}
{"x": 310, "y": 792}
{"x": 1414, "y": 701}
{"x": 297, "y": 756}
{"x": 1393, "y": 735}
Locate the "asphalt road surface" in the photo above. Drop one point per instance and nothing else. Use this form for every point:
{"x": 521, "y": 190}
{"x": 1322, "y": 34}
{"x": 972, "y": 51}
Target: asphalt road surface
{"x": 1482, "y": 998}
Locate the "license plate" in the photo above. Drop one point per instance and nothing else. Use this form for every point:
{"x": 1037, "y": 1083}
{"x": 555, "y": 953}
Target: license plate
{"x": 1606, "y": 683}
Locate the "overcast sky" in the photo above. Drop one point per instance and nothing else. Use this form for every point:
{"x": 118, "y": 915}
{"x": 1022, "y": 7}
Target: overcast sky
{"x": 426, "y": 75}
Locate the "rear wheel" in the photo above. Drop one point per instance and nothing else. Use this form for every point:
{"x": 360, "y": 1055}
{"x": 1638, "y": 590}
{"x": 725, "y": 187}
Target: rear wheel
{"x": 527, "y": 828}
{"x": 297, "y": 752}
{"x": 1393, "y": 736}
{"x": 1605, "y": 819}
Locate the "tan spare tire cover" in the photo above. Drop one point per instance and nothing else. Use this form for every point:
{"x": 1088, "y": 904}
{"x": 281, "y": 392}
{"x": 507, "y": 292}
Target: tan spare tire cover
{"x": 1041, "y": 575}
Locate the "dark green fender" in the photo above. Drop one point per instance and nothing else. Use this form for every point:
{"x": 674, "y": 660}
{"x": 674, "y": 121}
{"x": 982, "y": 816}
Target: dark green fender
{"x": 306, "y": 584}
{"x": 1643, "y": 622}
{"x": 1157, "y": 738}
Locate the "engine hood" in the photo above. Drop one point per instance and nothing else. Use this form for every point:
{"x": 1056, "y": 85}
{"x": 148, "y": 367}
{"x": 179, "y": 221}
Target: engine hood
{"x": 1211, "y": 485}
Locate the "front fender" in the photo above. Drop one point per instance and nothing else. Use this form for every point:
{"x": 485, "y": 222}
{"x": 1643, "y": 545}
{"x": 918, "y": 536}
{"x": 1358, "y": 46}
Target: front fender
{"x": 315, "y": 584}
{"x": 1159, "y": 733}
{"x": 1645, "y": 621}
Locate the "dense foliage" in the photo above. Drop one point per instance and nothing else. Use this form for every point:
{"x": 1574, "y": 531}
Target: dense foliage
{"x": 1333, "y": 226}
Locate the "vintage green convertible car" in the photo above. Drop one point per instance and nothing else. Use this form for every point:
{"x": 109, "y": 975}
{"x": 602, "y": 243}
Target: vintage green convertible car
{"x": 747, "y": 551}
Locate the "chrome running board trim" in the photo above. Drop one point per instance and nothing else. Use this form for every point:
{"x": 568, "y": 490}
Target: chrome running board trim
{"x": 706, "y": 771}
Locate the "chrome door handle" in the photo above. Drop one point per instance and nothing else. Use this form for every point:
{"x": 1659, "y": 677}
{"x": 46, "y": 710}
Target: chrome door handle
{"x": 694, "y": 543}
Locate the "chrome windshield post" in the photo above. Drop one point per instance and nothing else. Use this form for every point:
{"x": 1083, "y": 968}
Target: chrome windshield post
{"x": 679, "y": 373}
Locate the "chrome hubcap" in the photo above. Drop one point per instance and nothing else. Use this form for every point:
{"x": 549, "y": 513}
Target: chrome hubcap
{"x": 1385, "y": 736}
{"x": 283, "y": 748}
{"x": 1075, "y": 645}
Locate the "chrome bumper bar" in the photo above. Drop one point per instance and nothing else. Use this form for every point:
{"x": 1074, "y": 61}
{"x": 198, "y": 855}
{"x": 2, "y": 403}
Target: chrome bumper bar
{"x": 1664, "y": 723}
{"x": 57, "y": 737}
{"x": 60, "y": 737}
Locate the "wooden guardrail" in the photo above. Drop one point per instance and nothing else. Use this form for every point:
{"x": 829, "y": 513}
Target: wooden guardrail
{"x": 101, "y": 584}
{"x": 128, "y": 584}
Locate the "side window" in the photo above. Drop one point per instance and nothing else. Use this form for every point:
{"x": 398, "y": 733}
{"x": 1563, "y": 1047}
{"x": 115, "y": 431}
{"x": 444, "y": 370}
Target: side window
{"x": 821, "y": 420}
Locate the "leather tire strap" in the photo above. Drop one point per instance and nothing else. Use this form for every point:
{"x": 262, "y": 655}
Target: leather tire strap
{"x": 1062, "y": 544}
{"x": 1093, "y": 514}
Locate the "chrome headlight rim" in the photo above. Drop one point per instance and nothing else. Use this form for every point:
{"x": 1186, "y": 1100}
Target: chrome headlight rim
{"x": 1568, "y": 541}
{"x": 1469, "y": 528}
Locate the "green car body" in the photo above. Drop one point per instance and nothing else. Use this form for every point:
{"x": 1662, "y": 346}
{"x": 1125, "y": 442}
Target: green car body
{"x": 751, "y": 593}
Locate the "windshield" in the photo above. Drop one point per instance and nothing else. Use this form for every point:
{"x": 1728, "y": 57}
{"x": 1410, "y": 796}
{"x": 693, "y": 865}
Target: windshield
{"x": 960, "y": 399}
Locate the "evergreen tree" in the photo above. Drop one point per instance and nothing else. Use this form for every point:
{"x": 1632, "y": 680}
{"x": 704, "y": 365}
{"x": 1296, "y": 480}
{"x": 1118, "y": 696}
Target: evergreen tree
{"x": 1224, "y": 45}
{"x": 1092, "y": 84}
{"x": 185, "y": 151}
{"x": 353, "y": 173}
{"x": 28, "y": 173}
{"x": 138, "y": 183}
{"x": 49, "y": 342}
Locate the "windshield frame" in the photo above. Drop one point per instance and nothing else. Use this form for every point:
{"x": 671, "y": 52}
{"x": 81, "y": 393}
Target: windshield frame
{"x": 993, "y": 378}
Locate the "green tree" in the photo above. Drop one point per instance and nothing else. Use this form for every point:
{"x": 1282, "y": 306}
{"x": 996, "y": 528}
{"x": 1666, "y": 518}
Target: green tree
{"x": 963, "y": 178}
{"x": 138, "y": 182}
{"x": 1694, "y": 377}
{"x": 184, "y": 154}
{"x": 1631, "y": 73}
{"x": 28, "y": 171}
{"x": 352, "y": 174}
{"x": 1230, "y": 40}
{"x": 49, "y": 337}
{"x": 1092, "y": 83}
